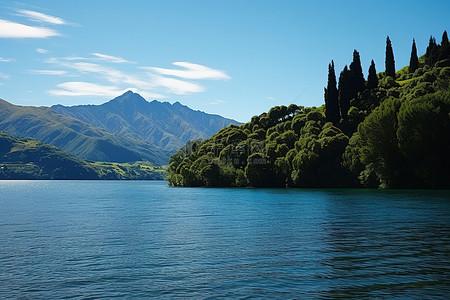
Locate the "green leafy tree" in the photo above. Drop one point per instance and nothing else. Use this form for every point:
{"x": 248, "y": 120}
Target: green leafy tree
{"x": 390, "y": 62}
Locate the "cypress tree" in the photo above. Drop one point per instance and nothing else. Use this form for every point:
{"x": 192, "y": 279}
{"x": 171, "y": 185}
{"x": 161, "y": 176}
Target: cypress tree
{"x": 372, "y": 79}
{"x": 356, "y": 74}
{"x": 432, "y": 53}
{"x": 344, "y": 91}
{"x": 390, "y": 62}
{"x": 331, "y": 96}
{"x": 445, "y": 47}
{"x": 413, "y": 60}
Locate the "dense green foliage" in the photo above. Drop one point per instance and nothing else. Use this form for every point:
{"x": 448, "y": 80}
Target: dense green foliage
{"x": 395, "y": 134}
{"x": 31, "y": 159}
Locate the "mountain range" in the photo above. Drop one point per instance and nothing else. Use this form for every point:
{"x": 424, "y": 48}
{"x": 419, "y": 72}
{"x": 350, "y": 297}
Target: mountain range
{"x": 162, "y": 124}
{"x": 125, "y": 129}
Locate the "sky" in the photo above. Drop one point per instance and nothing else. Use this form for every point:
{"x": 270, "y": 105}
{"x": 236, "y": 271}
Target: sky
{"x": 236, "y": 58}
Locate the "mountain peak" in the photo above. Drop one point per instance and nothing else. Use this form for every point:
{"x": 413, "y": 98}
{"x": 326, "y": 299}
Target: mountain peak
{"x": 128, "y": 97}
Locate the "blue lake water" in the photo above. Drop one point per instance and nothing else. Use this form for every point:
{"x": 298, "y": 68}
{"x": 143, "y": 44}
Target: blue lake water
{"x": 105, "y": 239}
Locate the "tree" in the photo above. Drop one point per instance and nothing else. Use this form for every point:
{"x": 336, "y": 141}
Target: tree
{"x": 432, "y": 53}
{"x": 414, "y": 60}
{"x": 445, "y": 47}
{"x": 344, "y": 91}
{"x": 331, "y": 96}
{"x": 390, "y": 62}
{"x": 357, "y": 76}
{"x": 372, "y": 79}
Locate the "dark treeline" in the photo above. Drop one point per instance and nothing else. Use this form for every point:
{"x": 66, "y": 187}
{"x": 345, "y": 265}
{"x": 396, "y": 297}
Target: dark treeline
{"x": 391, "y": 130}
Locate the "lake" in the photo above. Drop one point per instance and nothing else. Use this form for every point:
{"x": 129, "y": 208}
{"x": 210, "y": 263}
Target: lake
{"x": 142, "y": 239}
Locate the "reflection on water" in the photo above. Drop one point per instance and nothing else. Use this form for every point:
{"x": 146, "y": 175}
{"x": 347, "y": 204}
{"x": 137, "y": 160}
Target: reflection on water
{"x": 144, "y": 239}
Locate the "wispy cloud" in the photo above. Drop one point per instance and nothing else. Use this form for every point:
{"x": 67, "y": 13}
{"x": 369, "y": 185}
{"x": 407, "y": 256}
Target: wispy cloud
{"x": 4, "y": 76}
{"x": 79, "y": 88}
{"x": 191, "y": 71}
{"x": 40, "y": 50}
{"x": 10, "y": 29}
{"x": 40, "y": 17}
{"x": 176, "y": 86}
{"x": 76, "y": 88}
{"x": 2, "y": 59}
{"x": 148, "y": 82}
{"x": 217, "y": 102}
{"x": 49, "y": 72}
{"x": 109, "y": 58}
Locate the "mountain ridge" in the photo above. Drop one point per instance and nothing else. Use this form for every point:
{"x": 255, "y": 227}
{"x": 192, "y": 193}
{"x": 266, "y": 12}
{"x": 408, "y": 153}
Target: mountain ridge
{"x": 165, "y": 125}
{"x": 74, "y": 136}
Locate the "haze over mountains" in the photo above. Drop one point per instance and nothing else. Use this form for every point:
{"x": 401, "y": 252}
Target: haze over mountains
{"x": 125, "y": 129}
{"x": 165, "y": 125}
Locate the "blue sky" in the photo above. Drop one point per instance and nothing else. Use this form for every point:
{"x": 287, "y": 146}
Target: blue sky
{"x": 234, "y": 58}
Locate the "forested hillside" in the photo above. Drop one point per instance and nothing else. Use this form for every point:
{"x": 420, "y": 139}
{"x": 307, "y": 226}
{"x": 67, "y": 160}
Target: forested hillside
{"x": 391, "y": 130}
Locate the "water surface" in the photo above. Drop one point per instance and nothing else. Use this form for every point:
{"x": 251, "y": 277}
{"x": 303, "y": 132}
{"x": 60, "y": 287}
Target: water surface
{"x": 105, "y": 239}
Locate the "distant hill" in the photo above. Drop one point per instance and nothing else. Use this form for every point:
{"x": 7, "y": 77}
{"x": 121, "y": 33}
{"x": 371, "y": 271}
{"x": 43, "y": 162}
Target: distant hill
{"x": 24, "y": 158}
{"x": 76, "y": 137}
{"x": 31, "y": 159}
{"x": 165, "y": 125}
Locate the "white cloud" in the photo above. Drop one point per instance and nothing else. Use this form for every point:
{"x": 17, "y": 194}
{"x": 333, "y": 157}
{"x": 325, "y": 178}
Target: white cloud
{"x": 270, "y": 98}
{"x": 217, "y": 102}
{"x": 2, "y": 59}
{"x": 4, "y": 76}
{"x": 49, "y": 72}
{"x": 192, "y": 71}
{"x": 176, "y": 86}
{"x": 109, "y": 58}
{"x": 40, "y": 50}
{"x": 76, "y": 88}
{"x": 148, "y": 83}
{"x": 40, "y": 17}
{"x": 10, "y": 29}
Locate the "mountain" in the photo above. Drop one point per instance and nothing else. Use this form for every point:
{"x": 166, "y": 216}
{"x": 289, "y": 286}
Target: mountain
{"x": 76, "y": 137}
{"x": 30, "y": 159}
{"x": 165, "y": 125}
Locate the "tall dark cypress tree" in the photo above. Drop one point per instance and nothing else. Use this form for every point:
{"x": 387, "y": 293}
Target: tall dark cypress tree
{"x": 331, "y": 96}
{"x": 344, "y": 91}
{"x": 372, "y": 79}
{"x": 413, "y": 60}
{"x": 356, "y": 74}
{"x": 390, "y": 62}
{"x": 445, "y": 47}
{"x": 432, "y": 53}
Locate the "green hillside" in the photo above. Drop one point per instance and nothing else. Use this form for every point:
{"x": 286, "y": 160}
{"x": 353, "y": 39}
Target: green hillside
{"x": 386, "y": 131}
{"x": 31, "y": 159}
{"x": 75, "y": 136}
